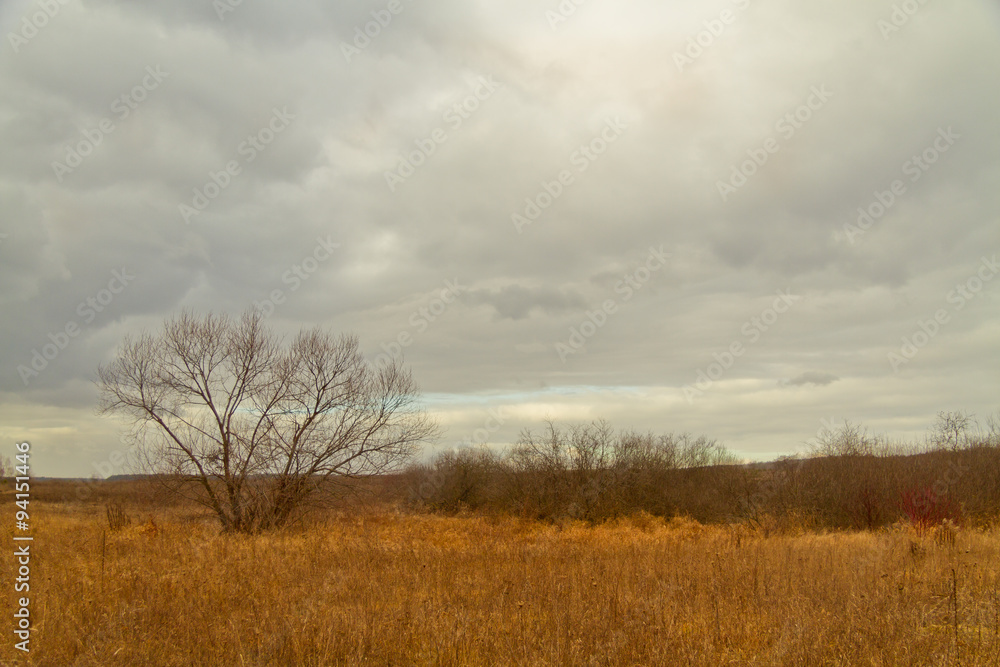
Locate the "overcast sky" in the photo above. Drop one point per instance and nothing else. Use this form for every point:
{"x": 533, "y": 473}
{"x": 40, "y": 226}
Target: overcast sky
{"x": 640, "y": 211}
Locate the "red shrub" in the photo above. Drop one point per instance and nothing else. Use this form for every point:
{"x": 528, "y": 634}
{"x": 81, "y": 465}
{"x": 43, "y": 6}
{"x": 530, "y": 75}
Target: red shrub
{"x": 925, "y": 509}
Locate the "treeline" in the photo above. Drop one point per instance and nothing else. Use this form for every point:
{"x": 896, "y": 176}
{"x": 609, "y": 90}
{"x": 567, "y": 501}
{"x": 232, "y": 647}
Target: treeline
{"x": 850, "y": 478}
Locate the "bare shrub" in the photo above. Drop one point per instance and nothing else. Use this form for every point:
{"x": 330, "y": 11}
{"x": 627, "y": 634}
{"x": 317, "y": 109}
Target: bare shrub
{"x": 853, "y": 479}
{"x": 454, "y": 481}
{"x": 587, "y": 472}
{"x": 944, "y": 534}
{"x": 849, "y": 440}
{"x": 118, "y": 519}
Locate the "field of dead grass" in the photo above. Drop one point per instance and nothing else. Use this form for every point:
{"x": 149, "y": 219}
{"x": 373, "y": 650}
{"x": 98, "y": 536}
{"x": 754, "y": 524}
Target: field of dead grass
{"x": 382, "y": 587}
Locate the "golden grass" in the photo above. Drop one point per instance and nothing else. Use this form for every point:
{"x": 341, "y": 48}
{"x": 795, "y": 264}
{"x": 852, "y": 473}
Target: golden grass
{"x": 385, "y": 588}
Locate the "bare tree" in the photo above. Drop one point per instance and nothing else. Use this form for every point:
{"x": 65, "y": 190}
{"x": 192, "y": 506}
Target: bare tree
{"x": 256, "y": 427}
{"x": 951, "y": 431}
{"x": 992, "y": 435}
{"x": 850, "y": 440}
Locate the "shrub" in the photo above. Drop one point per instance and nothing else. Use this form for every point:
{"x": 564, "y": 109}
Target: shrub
{"x": 117, "y": 518}
{"x": 925, "y": 509}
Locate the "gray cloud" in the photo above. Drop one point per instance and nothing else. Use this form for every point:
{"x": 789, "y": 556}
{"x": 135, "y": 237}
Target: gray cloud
{"x": 357, "y": 119}
{"x": 517, "y": 302}
{"x": 811, "y": 377}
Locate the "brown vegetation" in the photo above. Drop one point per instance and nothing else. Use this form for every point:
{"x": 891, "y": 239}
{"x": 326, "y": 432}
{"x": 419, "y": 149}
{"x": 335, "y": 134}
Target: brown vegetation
{"x": 580, "y": 547}
{"x": 850, "y": 480}
{"x": 372, "y": 585}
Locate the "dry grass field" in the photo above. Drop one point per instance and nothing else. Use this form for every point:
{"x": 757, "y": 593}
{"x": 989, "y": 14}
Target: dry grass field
{"x": 382, "y": 587}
